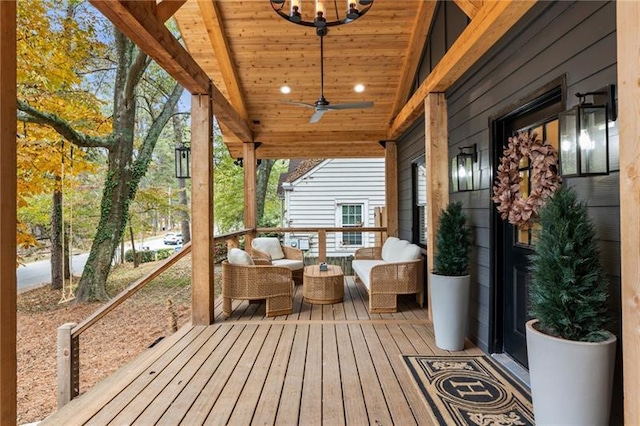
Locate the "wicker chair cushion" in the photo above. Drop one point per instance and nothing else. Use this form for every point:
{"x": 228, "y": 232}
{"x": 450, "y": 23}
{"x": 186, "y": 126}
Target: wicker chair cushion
{"x": 396, "y": 250}
{"x": 292, "y": 264}
{"x": 269, "y": 245}
{"x": 388, "y": 247}
{"x": 239, "y": 257}
{"x": 362, "y": 268}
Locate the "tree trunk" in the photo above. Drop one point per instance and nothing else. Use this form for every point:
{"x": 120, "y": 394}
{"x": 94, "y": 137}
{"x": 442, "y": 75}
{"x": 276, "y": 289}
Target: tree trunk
{"x": 183, "y": 199}
{"x": 57, "y": 276}
{"x": 184, "y": 202}
{"x": 262, "y": 185}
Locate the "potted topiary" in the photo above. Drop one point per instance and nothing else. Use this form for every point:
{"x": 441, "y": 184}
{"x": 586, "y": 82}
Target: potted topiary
{"x": 571, "y": 355}
{"x": 450, "y": 280}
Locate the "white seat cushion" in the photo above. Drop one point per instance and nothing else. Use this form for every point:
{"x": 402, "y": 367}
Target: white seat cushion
{"x": 292, "y": 264}
{"x": 362, "y": 268}
{"x": 403, "y": 251}
{"x": 270, "y": 245}
{"x": 237, "y": 256}
{"x": 388, "y": 247}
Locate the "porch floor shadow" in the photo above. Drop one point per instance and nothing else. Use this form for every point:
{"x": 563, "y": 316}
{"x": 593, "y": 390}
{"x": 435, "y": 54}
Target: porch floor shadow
{"x": 323, "y": 364}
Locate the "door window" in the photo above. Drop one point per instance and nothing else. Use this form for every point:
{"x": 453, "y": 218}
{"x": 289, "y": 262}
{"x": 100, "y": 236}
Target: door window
{"x": 548, "y": 132}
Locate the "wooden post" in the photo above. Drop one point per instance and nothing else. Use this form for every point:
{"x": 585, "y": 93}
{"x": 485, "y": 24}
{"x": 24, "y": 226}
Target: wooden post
{"x": 391, "y": 187}
{"x": 202, "y": 258}
{"x": 436, "y": 152}
{"x": 8, "y": 285}
{"x": 250, "y": 202}
{"x": 322, "y": 245}
{"x": 68, "y": 364}
{"x": 628, "y": 34}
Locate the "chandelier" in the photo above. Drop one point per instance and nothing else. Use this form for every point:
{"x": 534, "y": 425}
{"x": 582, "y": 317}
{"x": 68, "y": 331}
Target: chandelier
{"x": 322, "y": 17}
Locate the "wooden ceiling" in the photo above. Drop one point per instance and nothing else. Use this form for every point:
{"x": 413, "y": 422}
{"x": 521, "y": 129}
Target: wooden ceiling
{"x": 250, "y": 52}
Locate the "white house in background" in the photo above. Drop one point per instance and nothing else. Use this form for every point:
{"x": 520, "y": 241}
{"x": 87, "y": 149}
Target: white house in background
{"x": 333, "y": 193}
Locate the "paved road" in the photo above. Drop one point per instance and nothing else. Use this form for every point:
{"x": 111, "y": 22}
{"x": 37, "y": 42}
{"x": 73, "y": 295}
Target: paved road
{"x": 36, "y": 274}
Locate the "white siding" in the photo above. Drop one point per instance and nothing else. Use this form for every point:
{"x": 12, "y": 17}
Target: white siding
{"x": 315, "y": 197}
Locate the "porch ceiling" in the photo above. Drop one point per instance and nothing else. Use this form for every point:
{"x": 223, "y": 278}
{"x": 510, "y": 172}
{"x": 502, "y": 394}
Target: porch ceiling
{"x": 249, "y": 52}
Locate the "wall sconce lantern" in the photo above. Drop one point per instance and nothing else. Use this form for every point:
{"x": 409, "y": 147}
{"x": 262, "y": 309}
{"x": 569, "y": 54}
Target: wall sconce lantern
{"x": 584, "y": 134}
{"x": 183, "y": 161}
{"x": 462, "y": 168}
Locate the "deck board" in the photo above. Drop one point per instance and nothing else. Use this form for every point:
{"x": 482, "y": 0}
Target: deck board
{"x": 323, "y": 364}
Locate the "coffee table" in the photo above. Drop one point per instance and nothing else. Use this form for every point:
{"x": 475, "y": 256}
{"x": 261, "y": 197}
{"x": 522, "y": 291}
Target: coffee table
{"x": 323, "y": 287}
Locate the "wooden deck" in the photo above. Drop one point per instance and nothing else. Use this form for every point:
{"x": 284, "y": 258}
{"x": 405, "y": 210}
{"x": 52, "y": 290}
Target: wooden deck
{"x": 324, "y": 364}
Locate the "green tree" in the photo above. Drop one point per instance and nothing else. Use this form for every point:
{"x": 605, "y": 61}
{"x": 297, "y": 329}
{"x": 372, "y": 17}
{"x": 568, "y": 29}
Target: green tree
{"x": 568, "y": 286}
{"x": 128, "y": 153}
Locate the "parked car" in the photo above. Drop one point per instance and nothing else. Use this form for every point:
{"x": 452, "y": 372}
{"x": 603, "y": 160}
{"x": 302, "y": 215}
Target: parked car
{"x": 172, "y": 239}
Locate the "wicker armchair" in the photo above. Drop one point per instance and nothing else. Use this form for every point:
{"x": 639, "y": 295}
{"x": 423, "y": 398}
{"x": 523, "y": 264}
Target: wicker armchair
{"x": 385, "y": 280}
{"x": 293, "y": 258}
{"x": 259, "y": 281}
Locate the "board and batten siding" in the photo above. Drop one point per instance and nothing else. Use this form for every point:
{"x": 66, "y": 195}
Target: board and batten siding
{"x": 410, "y": 149}
{"x": 315, "y": 196}
{"x": 572, "y": 39}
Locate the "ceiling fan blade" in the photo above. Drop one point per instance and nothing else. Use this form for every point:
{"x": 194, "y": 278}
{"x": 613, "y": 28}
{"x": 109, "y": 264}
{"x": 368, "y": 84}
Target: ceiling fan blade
{"x": 317, "y": 115}
{"x": 302, "y": 104}
{"x": 351, "y": 105}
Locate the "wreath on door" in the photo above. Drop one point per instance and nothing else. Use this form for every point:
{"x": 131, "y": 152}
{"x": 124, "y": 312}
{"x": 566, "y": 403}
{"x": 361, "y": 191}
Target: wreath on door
{"x": 545, "y": 180}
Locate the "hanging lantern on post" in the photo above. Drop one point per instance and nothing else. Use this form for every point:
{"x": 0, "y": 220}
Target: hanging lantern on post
{"x": 183, "y": 161}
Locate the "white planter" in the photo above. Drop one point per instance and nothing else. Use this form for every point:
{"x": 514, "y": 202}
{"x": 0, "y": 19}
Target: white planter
{"x": 571, "y": 381}
{"x": 449, "y": 306}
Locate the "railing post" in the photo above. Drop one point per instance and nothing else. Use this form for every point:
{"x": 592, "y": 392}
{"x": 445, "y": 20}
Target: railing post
{"x": 322, "y": 245}
{"x": 68, "y": 364}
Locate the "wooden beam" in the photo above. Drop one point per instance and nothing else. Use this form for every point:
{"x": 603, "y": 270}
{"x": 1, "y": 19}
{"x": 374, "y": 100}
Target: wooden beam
{"x": 424, "y": 16}
{"x": 470, "y": 8}
{"x": 210, "y": 13}
{"x": 391, "y": 187}
{"x": 8, "y": 185}
{"x": 341, "y": 150}
{"x": 250, "y": 194}
{"x": 493, "y": 20}
{"x": 436, "y": 150}
{"x": 135, "y": 20}
{"x": 322, "y": 136}
{"x": 628, "y": 35}
{"x": 167, "y": 8}
{"x": 202, "y": 260}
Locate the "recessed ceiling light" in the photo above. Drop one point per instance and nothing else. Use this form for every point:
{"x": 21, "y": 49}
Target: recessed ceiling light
{"x": 285, "y": 90}
{"x": 358, "y": 88}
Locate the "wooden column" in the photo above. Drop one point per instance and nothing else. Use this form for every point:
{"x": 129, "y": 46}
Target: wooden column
{"x": 391, "y": 187}
{"x": 8, "y": 363}
{"x": 436, "y": 159}
{"x": 322, "y": 245}
{"x": 202, "y": 259}
{"x": 628, "y": 34}
{"x": 250, "y": 202}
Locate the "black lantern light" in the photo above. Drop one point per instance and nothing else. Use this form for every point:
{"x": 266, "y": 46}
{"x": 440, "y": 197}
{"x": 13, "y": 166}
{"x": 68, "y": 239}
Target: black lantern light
{"x": 462, "y": 168}
{"x": 183, "y": 161}
{"x": 584, "y": 134}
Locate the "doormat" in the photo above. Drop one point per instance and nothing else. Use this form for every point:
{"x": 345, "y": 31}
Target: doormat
{"x": 470, "y": 390}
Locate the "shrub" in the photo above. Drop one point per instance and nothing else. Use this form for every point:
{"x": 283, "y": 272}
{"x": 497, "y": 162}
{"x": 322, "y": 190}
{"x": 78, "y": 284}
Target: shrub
{"x": 143, "y": 256}
{"x": 568, "y": 287}
{"x": 453, "y": 242}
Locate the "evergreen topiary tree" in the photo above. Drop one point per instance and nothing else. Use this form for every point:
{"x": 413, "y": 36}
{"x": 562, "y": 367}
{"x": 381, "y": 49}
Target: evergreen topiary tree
{"x": 568, "y": 288}
{"x": 453, "y": 242}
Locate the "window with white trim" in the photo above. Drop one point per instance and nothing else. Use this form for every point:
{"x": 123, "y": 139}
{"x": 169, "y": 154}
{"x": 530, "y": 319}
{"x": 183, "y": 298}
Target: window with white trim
{"x": 351, "y": 215}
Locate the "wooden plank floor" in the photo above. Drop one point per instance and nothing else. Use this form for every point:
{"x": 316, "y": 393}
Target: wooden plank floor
{"x": 323, "y": 364}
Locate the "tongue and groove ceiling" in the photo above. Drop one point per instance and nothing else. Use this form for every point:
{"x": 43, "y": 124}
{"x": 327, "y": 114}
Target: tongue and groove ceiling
{"x": 250, "y": 52}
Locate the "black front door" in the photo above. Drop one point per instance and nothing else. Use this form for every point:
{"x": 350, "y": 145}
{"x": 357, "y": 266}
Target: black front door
{"x": 516, "y": 245}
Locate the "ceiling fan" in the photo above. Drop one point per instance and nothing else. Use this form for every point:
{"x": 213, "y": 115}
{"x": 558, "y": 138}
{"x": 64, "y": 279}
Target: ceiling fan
{"x": 322, "y": 105}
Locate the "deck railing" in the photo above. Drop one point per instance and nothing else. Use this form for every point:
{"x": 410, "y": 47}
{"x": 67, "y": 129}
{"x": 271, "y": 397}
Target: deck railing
{"x": 68, "y": 350}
